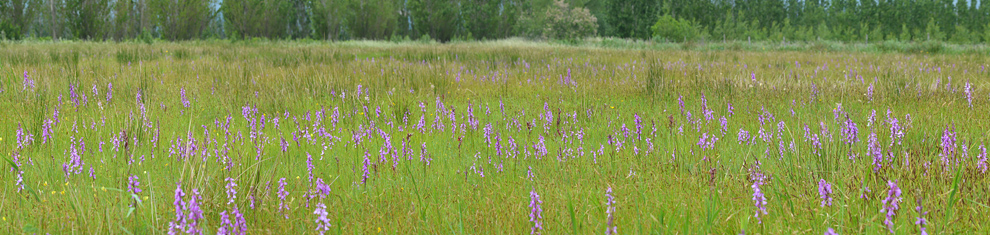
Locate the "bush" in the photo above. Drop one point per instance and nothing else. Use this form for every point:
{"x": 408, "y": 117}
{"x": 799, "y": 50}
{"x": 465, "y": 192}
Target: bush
{"x": 677, "y": 30}
{"x": 566, "y": 23}
{"x": 931, "y": 47}
{"x": 10, "y": 31}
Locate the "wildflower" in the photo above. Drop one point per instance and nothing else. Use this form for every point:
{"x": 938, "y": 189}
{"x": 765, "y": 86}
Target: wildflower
{"x": 969, "y": 94}
{"x": 20, "y": 181}
{"x": 981, "y": 159}
{"x": 825, "y": 191}
{"x": 920, "y": 220}
{"x": 322, "y": 222}
{"x": 231, "y": 192}
{"x": 282, "y": 206}
{"x": 758, "y": 198}
{"x": 323, "y": 190}
{"x": 109, "y": 92}
{"x": 610, "y": 228}
{"x": 869, "y": 92}
{"x": 132, "y": 184}
{"x": 529, "y": 174}
{"x": 185, "y": 101}
{"x": 536, "y": 214}
{"x": 948, "y": 146}
{"x": 890, "y": 204}
{"x": 187, "y": 214}
{"x": 850, "y": 132}
{"x": 367, "y": 162}
{"x": 873, "y": 149}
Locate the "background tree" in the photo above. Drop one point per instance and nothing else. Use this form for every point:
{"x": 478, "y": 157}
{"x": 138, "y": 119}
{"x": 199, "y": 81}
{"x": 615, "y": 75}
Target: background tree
{"x": 182, "y": 19}
{"x": 565, "y": 22}
{"x": 437, "y": 19}
{"x": 15, "y": 18}
{"x": 329, "y": 18}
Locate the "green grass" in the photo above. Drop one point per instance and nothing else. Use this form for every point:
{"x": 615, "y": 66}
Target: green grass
{"x": 664, "y": 185}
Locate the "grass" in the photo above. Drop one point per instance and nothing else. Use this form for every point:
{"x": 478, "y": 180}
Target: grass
{"x": 462, "y": 182}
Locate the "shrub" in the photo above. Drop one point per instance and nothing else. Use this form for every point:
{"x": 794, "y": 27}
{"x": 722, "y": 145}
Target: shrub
{"x": 10, "y": 31}
{"x": 566, "y": 23}
{"x": 677, "y": 30}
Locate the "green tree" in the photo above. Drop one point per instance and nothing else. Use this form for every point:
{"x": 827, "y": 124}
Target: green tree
{"x": 15, "y": 18}
{"x": 671, "y": 29}
{"x": 962, "y": 35}
{"x": 986, "y": 33}
{"x": 182, "y": 19}
{"x": 87, "y": 18}
{"x": 630, "y": 18}
{"x": 256, "y": 18}
{"x": 933, "y": 31}
{"x": 568, "y": 23}
{"x": 329, "y": 18}
{"x": 438, "y": 19}
{"x": 490, "y": 19}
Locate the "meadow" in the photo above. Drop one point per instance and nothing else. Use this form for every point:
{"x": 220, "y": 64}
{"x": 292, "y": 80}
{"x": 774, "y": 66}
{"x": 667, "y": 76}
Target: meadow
{"x": 489, "y": 138}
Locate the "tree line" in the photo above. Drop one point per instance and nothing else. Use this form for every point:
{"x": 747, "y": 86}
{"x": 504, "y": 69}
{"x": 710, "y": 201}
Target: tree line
{"x": 959, "y": 21}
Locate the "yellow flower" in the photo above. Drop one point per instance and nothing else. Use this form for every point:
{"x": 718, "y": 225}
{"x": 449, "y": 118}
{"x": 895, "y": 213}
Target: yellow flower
{"x": 5, "y": 218}
{"x": 379, "y": 229}
{"x": 145, "y": 198}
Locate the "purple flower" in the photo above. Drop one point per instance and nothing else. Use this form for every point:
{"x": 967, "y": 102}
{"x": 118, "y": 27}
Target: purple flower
{"x": 225, "y": 224}
{"x": 825, "y": 191}
{"x": 323, "y": 190}
{"x": 231, "y": 192}
{"x": 850, "y": 132}
{"x": 195, "y": 213}
{"x": 322, "y": 222}
{"x": 20, "y": 181}
{"x": 238, "y": 226}
{"x": 132, "y": 184}
{"x": 969, "y": 94}
{"x": 920, "y": 220}
{"x": 759, "y": 199}
{"x": 185, "y": 101}
{"x": 309, "y": 167}
{"x": 948, "y": 146}
{"x": 869, "y": 92}
{"x": 75, "y": 164}
{"x": 187, "y": 214}
{"x": 529, "y": 174}
{"x": 891, "y": 204}
{"x": 367, "y": 163}
{"x": 981, "y": 159}
{"x": 282, "y": 206}
{"x": 536, "y": 214}
{"x": 743, "y": 136}
{"x": 873, "y": 149}
{"x": 830, "y": 231}
{"x": 109, "y": 92}
{"x": 610, "y": 227}
{"x": 27, "y": 81}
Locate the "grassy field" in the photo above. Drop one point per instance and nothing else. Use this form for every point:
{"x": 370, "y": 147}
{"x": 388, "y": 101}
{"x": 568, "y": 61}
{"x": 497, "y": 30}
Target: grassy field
{"x": 488, "y": 138}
